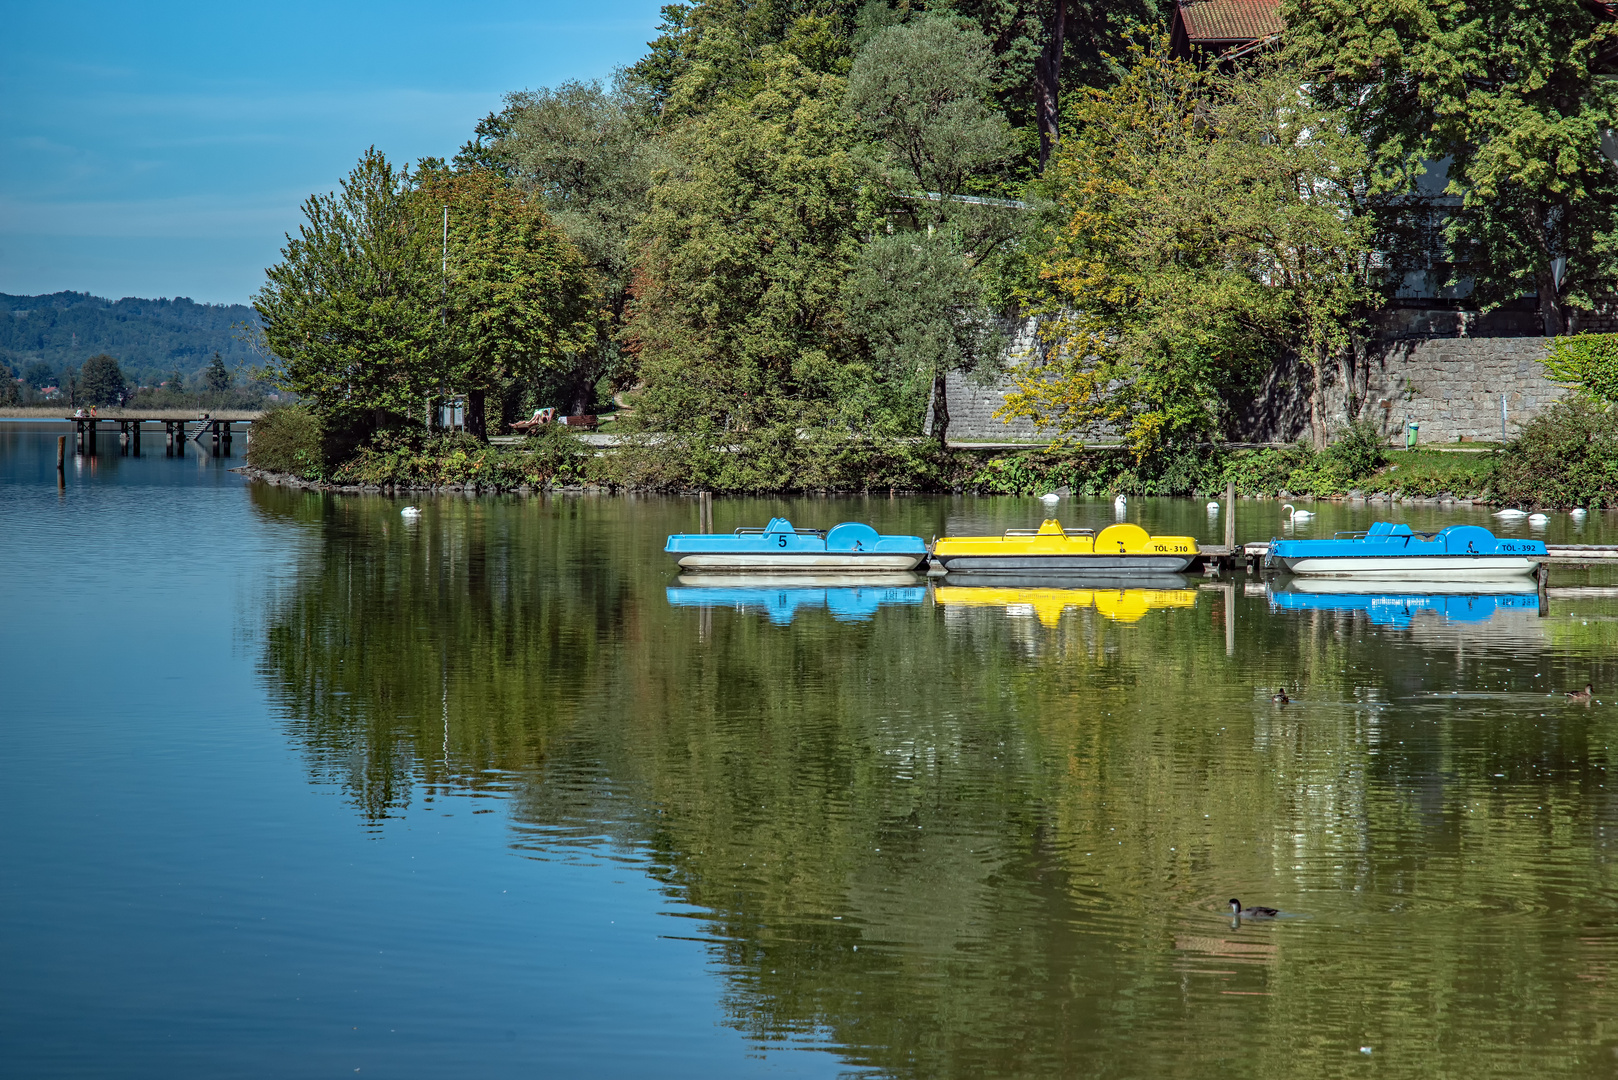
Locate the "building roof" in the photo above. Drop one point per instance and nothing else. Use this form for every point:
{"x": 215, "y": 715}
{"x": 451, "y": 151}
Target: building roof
{"x": 1228, "y": 22}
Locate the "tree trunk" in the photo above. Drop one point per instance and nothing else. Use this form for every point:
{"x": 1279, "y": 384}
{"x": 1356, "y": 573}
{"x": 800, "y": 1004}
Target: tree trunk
{"x": 1317, "y": 405}
{"x": 475, "y": 425}
{"x": 1551, "y": 312}
{"x": 1048, "y": 83}
{"x": 940, "y": 411}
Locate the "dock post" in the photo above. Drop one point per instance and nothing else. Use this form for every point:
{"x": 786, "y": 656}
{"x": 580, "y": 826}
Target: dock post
{"x": 1542, "y": 577}
{"x": 168, "y": 436}
{"x": 90, "y": 440}
{"x": 1230, "y": 521}
{"x": 227, "y": 438}
{"x": 78, "y": 436}
{"x": 134, "y": 429}
{"x": 61, "y": 453}
{"x": 179, "y": 443}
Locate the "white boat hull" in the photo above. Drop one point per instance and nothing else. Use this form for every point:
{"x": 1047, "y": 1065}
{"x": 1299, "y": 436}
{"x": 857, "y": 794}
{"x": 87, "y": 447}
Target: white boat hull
{"x": 801, "y": 562}
{"x": 1410, "y": 567}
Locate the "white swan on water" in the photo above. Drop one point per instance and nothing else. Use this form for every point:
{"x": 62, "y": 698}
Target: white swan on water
{"x": 411, "y": 512}
{"x": 1511, "y": 513}
{"x": 1121, "y": 503}
{"x": 1538, "y": 519}
{"x": 1050, "y": 498}
{"x": 1294, "y": 514}
{"x": 1578, "y": 512}
{"x": 1213, "y": 508}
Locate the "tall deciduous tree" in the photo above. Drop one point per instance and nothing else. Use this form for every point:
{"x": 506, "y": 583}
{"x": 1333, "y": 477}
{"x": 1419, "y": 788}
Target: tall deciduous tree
{"x": 103, "y": 381}
{"x": 921, "y": 91}
{"x": 1213, "y": 227}
{"x": 749, "y": 236}
{"x": 350, "y": 313}
{"x": 585, "y": 154}
{"x": 1516, "y": 99}
{"x": 919, "y": 309}
{"x": 518, "y": 299}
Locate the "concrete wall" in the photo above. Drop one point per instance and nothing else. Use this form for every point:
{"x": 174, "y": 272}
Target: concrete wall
{"x": 1450, "y": 386}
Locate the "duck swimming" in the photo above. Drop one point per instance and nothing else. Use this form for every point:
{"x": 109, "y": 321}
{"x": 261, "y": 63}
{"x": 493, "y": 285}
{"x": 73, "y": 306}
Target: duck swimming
{"x": 1280, "y": 696}
{"x": 1583, "y": 695}
{"x": 1252, "y": 912}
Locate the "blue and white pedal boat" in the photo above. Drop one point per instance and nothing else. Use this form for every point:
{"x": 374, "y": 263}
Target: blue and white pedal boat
{"x": 778, "y": 547}
{"x": 1389, "y": 552}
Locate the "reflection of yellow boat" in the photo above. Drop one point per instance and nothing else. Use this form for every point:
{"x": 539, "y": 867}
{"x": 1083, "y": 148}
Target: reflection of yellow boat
{"x": 1051, "y": 549}
{"x": 1047, "y": 605}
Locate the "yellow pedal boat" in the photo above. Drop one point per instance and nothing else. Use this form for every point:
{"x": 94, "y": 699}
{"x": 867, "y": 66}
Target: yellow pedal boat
{"x": 1051, "y": 549}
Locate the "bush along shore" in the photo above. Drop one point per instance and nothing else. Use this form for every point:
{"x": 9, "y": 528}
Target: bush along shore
{"x": 1566, "y": 457}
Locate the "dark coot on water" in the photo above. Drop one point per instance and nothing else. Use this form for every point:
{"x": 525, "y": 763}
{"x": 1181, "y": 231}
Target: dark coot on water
{"x": 1280, "y": 696}
{"x": 1252, "y": 912}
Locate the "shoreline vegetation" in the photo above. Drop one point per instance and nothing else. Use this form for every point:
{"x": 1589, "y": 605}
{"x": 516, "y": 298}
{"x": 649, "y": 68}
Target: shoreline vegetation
{"x": 1579, "y": 442}
{"x": 773, "y": 239}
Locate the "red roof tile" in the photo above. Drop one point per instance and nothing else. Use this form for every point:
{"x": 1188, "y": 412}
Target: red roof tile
{"x": 1226, "y": 21}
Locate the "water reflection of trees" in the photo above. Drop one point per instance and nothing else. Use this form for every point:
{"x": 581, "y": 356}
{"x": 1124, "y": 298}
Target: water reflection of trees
{"x": 979, "y": 845}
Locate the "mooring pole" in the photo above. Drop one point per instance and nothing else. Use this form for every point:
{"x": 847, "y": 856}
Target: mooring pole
{"x": 1543, "y": 578}
{"x": 61, "y": 453}
{"x": 136, "y": 441}
{"x": 1230, "y": 520}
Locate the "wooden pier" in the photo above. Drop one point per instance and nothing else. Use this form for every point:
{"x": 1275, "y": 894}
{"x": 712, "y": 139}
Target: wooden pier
{"x": 177, "y": 433}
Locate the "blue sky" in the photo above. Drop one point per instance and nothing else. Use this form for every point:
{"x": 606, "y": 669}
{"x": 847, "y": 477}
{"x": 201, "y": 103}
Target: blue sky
{"x": 162, "y": 149}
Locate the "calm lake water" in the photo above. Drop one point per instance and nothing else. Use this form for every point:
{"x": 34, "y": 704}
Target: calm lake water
{"x": 299, "y": 788}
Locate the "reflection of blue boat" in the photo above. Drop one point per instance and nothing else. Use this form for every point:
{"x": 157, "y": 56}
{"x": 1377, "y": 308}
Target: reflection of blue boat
{"x": 780, "y": 547}
{"x": 848, "y": 597}
{"x": 1472, "y": 601}
{"x": 1395, "y": 553}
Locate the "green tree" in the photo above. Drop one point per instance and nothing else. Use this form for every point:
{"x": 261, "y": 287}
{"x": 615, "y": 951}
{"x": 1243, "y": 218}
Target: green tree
{"x": 1212, "y": 228}
{"x": 748, "y": 238}
{"x": 39, "y": 375}
{"x": 1587, "y": 363}
{"x": 919, "y": 309}
{"x": 103, "y": 383}
{"x": 215, "y": 376}
{"x": 350, "y": 313}
{"x": 518, "y": 299}
{"x": 585, "y": 154}
{"x": 920, "y": 90}
{"x": 1515, "y": 99}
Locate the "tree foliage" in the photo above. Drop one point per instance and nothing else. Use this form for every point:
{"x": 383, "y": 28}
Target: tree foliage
{"x": 103, "y": 382}
{"x": 749, "y": 236}
{"x": 1513, "y": 101}
{"x": 586, "y": 155}
{"x": 919, "y": 90}
{"x": 919, "y": 310}
{"x": 1212, "y": 228}
{"x": 349, "y": 312}
{"x": 1588, "y": 363}
{"x": 518, "y": 301}
{"x": 375, "y": 308}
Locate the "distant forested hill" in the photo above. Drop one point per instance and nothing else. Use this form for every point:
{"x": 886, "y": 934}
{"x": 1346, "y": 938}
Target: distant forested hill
{"x": 148, "y": 338}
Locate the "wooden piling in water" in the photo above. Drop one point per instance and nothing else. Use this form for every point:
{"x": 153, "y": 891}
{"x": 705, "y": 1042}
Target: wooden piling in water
{"x": 1230, "y": 521}
{"x": 61, "y": 453}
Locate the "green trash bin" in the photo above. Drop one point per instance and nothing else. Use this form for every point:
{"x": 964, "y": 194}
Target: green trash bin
{"x": 1412, "y": 430}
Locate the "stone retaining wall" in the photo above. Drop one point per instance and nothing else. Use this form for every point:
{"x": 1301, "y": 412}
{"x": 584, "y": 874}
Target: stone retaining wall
{"x": 1450, "y": 386}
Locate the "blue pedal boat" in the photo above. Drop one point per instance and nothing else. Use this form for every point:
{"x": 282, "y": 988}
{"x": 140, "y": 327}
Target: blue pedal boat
{"x": 1389, "y": 552}
{"x": 849, "y": 547}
